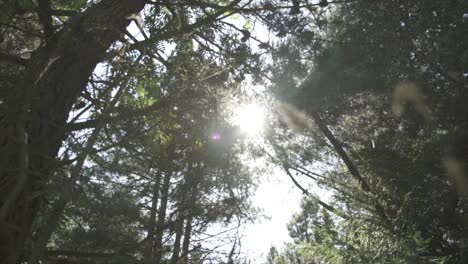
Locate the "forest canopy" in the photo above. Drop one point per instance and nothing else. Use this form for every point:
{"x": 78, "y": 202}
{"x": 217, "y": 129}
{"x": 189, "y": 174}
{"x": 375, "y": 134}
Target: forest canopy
{"x": 129, "y": 129}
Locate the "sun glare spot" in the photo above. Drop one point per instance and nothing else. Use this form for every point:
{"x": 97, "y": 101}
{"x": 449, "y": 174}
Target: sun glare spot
{"x": 250, "y": 118}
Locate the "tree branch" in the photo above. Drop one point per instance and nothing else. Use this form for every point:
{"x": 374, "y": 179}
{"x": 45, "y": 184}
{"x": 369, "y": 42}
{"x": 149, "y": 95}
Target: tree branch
{"x": 349, "y": 164}
{"x": 45, "y": 17}
{"x": 112, "y": 119}
{"x": 305, "y": 192}
{"x": 186, "y": 29}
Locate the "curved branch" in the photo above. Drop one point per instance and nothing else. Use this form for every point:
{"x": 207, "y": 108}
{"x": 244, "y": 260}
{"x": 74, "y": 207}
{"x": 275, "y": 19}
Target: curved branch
{"x": 320, "y": 202}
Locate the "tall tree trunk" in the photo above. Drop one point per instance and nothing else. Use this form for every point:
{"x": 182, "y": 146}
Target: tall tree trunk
{"x": 161, "y": 219}
{"x": 32, "y": 130}
{"x": 148, "y": 255}
{"x": 192, "y": 182}
{"x": 187, "y": 235}
{"x": 178, "y": 238}
{"x": 183, "y": 212}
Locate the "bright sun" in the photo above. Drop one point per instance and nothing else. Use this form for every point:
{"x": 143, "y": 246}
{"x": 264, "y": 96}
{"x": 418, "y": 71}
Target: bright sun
{"x": 250, "y": 118}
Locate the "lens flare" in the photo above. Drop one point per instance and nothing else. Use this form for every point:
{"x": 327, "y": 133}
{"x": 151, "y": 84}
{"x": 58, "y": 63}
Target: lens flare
{"x": 215, "y": 136}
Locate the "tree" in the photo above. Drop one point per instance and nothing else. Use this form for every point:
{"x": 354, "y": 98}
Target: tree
{"x": 57, "y": 46}
{"x": 179, "y": 187}
{"x": 33, "y": 127}
{"x": 387, "y": 167}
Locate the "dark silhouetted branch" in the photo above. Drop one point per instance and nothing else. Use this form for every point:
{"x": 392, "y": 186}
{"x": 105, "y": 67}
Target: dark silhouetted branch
{"x": 45, "y": 16}
{"x": 349, "y": 163}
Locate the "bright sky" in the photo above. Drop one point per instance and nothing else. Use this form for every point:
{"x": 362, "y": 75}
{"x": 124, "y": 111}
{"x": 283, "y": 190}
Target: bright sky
{"x": 276, "y": 194}
{"x": 279, "y": 199}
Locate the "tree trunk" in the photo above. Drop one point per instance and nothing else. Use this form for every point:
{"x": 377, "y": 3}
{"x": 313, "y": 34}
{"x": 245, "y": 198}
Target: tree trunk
{"x": 178, "y": 237}
{"x": 192, "y": 182}
{"x": 161, "y": 219}
{"x": 183, "y": 213}
{"x": 148, "y": 255}
{"x": 186, "y": 243}
{"x": 32, "y": 130}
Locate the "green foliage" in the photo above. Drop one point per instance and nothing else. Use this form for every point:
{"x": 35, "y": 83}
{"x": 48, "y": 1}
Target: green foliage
{"x": 352, "y": 79}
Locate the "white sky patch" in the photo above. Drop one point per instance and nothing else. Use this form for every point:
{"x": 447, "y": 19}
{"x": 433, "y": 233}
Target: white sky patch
{"x": 279, "y": 199}
{"x": 135, "y": 31}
